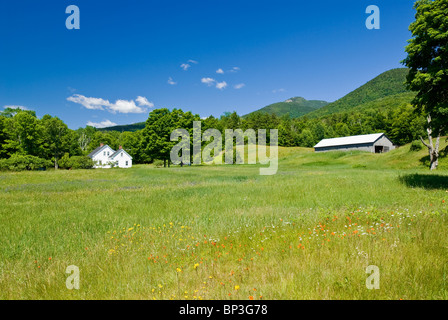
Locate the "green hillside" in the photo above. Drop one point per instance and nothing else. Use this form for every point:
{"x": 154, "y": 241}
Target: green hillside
{"x": 387, "y": 103}
{"x": 295, "y": 107}
{"x": 127, "y": 127}
{"x": 386, "y": 85}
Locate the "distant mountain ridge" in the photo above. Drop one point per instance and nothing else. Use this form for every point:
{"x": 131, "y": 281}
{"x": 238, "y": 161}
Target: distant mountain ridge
{"x": 387, "y": 84}
{"x": 295, "y": 107}
{"x": 125, "y": 127}
{"x": 383, "y": 92}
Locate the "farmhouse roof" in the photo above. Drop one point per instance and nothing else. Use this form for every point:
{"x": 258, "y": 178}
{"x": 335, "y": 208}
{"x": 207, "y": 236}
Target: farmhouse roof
{"x": 94, "y": 152}
{"x": 362, "y": 139}
{"x": 118, "y": 152}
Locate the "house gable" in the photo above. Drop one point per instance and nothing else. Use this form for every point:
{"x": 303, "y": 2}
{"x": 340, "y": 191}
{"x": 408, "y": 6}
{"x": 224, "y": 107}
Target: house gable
{"x": 114, "y": 155}
{"x": 100, "y": 151}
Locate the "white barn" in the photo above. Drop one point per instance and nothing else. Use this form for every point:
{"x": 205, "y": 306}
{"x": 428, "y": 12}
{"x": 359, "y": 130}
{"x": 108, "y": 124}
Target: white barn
{"x": 105, "y": 157}
{"x": 375, "y": 143}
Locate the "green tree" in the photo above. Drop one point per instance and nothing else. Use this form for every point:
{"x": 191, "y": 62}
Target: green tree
{"x": 306, "y": 139}
{"x": 404, "y": 126}
{"x": 3, "y": 153}
{"x": 56, "y": 140}
{"x": 131, "y": 142}
{"x": 287, "y": 133}
{"x": 156, "y": 136}
{"x": 84, "y": 137}
{"x": 231, "y": 121}
{"x": 428, "y": 76}
{"x": 318, "y": 130}
{"x": 342, "y": 130}
{"x": 109, "y": 137}
{"x": 24, "y": 134}
{"x": 11, "y": 112}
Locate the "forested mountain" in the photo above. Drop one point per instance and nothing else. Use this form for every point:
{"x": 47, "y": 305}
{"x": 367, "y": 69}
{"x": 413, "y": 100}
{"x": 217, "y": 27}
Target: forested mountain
{"x": 295, "y": 107}
{"x": 387, "y": 84}
{"x": 126, "y": 127}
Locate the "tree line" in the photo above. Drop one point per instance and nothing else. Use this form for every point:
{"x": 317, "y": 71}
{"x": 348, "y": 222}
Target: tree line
{"x": 27, "y": 142}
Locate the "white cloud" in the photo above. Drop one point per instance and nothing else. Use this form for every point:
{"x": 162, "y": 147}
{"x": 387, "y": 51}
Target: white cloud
{"x": 143, "y": 102}
{"x": 185, "y": 66}
{"x": 278, "y": 90}
{"x": 208, "y": 81}
{"x": 102, "y": 124}
{"x": 233, "y": 70}
{"x": 89, "y": 103}
{"x": 212, "y": 82}
{"x": 239, "y": 86}
{"x": 125, "y": 106}
{"x": 121, "y": 106}
{"x": 221, "y": 85}
{"x": 171, "y": 81}
{"x": 16, "y": 107}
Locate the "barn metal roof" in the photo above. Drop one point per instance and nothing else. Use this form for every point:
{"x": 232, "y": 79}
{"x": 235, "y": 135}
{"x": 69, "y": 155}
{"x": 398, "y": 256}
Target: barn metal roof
{"x": 367, "y": 138}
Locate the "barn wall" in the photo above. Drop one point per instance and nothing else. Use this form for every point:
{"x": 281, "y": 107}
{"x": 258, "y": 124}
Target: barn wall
{"x": 361, "y": 147}
{"x": 369, "y": 147}
{"x": 385, "y": 142}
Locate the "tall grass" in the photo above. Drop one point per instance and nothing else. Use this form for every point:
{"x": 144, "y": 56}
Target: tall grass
{"x": 225, "y": 232}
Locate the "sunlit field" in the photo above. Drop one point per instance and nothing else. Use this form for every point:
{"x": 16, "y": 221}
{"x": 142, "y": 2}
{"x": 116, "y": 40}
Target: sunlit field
{"x": 225, "y": 232}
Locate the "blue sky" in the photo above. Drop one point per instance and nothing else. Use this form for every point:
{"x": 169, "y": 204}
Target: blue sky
{"x": 132, "y": 56}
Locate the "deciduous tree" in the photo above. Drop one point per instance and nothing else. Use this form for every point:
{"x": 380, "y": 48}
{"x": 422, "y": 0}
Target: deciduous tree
{"x": 428, "y": 76}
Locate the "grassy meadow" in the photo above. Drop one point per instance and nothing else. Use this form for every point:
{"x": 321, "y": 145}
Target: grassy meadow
{"x": 225, "y": 232}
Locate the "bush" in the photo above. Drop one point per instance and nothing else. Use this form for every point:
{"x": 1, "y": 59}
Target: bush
{"x": 416, "y": 146}
{"x": 158, "y": 163}
{"x": 63, "y": 163}
{"x": 19, "y": 162}
{"x": 81, "y": 162}
{"x": 75, "y": 162}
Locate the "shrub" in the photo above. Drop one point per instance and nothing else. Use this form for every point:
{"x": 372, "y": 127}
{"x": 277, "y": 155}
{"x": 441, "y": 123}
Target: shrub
{"x": 63, "y": 163}
{"x": 416, "y": 146}
{"x": 18, "y": 162}
{"x": 75, "y": 162}
{"x": 81, "y": 162}
{"x": 158, "y": 163}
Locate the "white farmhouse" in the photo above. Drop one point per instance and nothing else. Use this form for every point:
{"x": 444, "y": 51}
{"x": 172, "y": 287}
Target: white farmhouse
{"x": 105, "y": 157}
